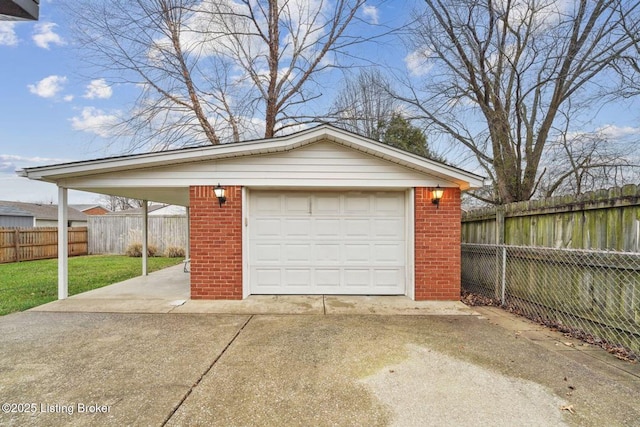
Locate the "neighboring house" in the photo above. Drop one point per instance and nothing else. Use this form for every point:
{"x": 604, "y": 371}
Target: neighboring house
{"x": 45, "y": 215}
{"x": 12, "y": 217}
{"x": 91, "y": 209}
{"x": 322, "y": 211}
{"x": 169, "y": 210}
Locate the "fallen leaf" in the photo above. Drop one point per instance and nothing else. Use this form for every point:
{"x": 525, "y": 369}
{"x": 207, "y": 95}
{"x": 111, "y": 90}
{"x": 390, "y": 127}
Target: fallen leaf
{"x": 569, "y": 344}
{"x": 568, "y": 408}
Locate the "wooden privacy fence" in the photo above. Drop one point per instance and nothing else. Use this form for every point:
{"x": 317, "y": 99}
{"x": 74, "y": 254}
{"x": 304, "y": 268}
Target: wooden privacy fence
{"x": 112, "y": 234}
{"x": 604, "y": 219}
{"x": 25, "y": 244}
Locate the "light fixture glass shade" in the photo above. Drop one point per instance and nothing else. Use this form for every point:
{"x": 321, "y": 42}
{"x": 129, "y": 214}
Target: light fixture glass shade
{"x": 437, "y": 193}
{"x": 219, "y": 191}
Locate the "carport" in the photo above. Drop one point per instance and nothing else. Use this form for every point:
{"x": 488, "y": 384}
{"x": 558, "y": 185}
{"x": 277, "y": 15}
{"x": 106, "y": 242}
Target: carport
{"x": 319, "y": 212}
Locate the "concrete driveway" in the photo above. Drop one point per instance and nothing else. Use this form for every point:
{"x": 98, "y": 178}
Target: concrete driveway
{"x": 482, "y": 368}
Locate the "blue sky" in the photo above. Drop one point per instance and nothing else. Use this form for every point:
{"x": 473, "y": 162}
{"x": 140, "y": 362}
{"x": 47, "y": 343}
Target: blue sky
{"x": 47, "y": 108}
{"x": 51, "y": 112}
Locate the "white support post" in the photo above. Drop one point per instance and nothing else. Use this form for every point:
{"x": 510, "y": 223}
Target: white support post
{"x": 63, "y": 244}
{"x": 187, "y": 249}
{"x": 145, "y": 237}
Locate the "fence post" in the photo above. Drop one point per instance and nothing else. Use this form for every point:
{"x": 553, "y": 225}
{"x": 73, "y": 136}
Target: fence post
{"x": 504, "y": 273}
{"x": 499, "y": 238}
{"x": 16, "y": 243}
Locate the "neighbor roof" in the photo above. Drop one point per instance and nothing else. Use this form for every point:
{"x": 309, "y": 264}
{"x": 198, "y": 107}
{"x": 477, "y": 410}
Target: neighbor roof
{"x": 43, "y": 211}
{"x": 13, "y": 211}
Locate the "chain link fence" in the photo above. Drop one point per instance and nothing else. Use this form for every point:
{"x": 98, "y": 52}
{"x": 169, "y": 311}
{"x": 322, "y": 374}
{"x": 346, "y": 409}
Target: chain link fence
{"x": 592, "y": 294}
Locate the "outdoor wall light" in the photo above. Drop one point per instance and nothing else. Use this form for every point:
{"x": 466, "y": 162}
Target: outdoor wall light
{"x": 436, "y": 195}
{"x": 220, "y": 194}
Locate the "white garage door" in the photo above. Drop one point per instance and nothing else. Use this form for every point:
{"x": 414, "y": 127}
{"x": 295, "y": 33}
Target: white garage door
{"x": 327, "y": 243}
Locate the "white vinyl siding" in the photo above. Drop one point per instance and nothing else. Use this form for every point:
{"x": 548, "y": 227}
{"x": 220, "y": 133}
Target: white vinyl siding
{"x": 323, "y": 164}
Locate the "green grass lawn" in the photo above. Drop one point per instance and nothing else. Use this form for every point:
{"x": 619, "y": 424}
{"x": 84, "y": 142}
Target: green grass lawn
{"x": 31, "y": 283}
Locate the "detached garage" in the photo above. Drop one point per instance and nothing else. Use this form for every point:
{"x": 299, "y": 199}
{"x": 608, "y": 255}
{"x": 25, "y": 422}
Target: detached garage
{"x": 322, "y": 211}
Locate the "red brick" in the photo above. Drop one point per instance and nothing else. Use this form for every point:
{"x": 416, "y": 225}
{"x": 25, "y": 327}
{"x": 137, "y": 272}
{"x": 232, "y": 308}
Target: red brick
{"x": 216, "y": 244}
{"x": 437, "y": 245}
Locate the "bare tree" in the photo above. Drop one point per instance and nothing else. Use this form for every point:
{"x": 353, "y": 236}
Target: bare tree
{"x": 364, "y": 103}
{"x": 581, "y": 161}
{"x": 218, "y": 70}
{"x": 497, "y": 72}
{"x": 117, "y": 203}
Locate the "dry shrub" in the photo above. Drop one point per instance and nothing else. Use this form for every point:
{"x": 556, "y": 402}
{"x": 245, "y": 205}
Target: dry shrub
{"x": 135, "y": 250}
{"x": 174, "y": 252}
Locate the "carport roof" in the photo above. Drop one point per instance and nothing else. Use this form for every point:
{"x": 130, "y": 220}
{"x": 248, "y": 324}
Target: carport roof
{"x": 58, "y": 173}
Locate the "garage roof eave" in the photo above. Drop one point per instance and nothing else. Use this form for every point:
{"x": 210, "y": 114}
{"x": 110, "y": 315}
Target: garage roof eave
{"x": 59, "y": 172}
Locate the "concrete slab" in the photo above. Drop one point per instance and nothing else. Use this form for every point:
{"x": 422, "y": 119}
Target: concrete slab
{"x": 213, "y": 369}
{"x": 132, "y": 369}
{"x": 167, "y": 291}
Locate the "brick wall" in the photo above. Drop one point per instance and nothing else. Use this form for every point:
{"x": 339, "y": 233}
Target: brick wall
{"x": 437, "y": 245}
{"x": 216, "y": 244}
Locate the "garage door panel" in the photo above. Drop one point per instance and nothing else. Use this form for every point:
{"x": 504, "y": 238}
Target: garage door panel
{"x": 326, "y": 243}
{"x": 267, "y": 227}
{"x": 356, "y": 228}
{"x": 388, "y": 253}
{"x": 267, "y": 253}
{"x": 327, "y": 253}
{"x": 326, "y": 204}
{"x": 388, "y": 205}
{"x": 296, "y": 205}
{"x": 327, "y": 277}
{"x": 297, "y": 253}
{"x": 327, "y": 228}
{"x": 267, "y": 277}
{"x": 297, "y": 228}
{"x": 383, "y": 228}
{"x": 387, "y": 277}
{"x": 360, "y": 278}
{"x": 267, "y": 204}
{"x": 356, "y": 253}
{"x": 298, "y": 278}
{"x": 357, "y": 204}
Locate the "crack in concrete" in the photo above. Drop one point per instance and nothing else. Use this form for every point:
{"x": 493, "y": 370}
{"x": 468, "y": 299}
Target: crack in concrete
{"x": 206, "y": 371}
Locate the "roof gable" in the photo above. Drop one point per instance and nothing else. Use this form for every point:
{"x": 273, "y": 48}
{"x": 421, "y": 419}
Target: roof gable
{"x": 322, "y": 157}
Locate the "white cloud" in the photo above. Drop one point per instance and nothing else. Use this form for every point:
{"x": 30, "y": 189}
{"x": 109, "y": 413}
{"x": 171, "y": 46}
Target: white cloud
{"x": 8, "y": 35}
{"x": 416, "y": 62}
{"x": 45, "y": 35}
{"x": 95, "y": 121}
{"x": 68, "y": 98}
{"x": 48, "y": 87}
{"x": 9, "y": 163}
{"x": 98, "y": 89}
{"x": 371, "y": 12}
{"x": 7, "y": 167}
{"x": 24, "y": 159}
{"x": 617, "y": 132}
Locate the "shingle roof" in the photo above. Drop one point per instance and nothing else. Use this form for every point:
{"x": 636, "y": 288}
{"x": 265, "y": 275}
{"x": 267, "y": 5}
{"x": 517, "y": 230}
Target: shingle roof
{"x": 43, "y": 211}
{"x": 13, "y": 211}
